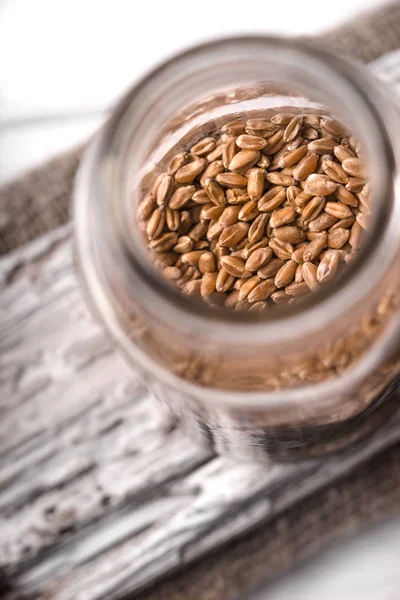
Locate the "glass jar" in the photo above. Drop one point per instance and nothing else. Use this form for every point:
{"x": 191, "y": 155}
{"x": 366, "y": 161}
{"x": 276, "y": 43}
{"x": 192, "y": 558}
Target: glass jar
{"x": 291, "y": 383}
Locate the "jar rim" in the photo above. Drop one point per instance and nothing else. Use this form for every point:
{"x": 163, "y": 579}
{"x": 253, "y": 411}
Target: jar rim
{"x": 232, "y": 326}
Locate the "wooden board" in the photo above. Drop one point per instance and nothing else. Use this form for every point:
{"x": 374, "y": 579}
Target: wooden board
{"x": 101, "y": 492}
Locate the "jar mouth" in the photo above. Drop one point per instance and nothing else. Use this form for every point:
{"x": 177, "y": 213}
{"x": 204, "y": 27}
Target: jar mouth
{"x": 311, "y": 316}
{"x": 309, "y": 64}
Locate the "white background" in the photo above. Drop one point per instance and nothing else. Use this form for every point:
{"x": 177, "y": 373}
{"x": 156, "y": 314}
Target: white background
{"x": 63, "y": 63}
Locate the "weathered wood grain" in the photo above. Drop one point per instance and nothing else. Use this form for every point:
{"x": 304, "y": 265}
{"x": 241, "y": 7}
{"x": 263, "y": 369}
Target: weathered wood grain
{"x": 100, "y": 491}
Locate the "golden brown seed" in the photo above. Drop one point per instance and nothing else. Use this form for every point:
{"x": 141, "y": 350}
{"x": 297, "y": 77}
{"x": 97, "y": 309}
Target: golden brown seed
{"x": 309, "y": 133}
{"x": 189, "y": 172}
{"x": 164, "y": 189}
{"x": 323, "y": 221}
{"x": 203, "y": 147}
{"x": 192, "y": 258}
{"x": 338, "y": 238}
{"x": 285, "y": 274}
{"x": 282, "y": 118}
{"x": 224, "y": 281}
{"x": 283, "y": 216}
{"x": 343, "y": 223}
{"x": 162, "y": 260}
{"x": 251, "y": 142}
{"x": 290, "y": 234}
{"x": 280, "y": 297}
{"x": 338, "y": 210}
{"x": 261, "y": 291}
{"x": 291, "y": 193}
{"x": 247, "y": 287}
{"x": 313, "y": 208}
{"x": 333, "y": 127}
{"x": 181, "y": 196}
{"x": 311, "y": 236}
{"x": 230, "y": 216}
{"x": 272, "y": 199}
{"x": 354, "y": 167}
{"x": 229, "y": 152}
{"x": 293, "y": 128}
{"x": 197, "y": 232}
{"x": 172, "y": 218}
{"x": 356, "y": 184}
{"x": 252, "y": 246}
{"x": 264, "y": 161}
{"x": 214, "y": 230}
{"x": 232, "y": 180}
{"x": 210, "y": 212}
{"x": 255, "y": 184}
{"x": 282, "y": 249}
{"x": 164, "y": 242}
{"x": 213, "y": 169}
{"x": 355, "y": 236}
{"x": 232, "y": 235}
{"x": 275, "y": 143}
{"x": 155, "y": 224}
{"x": 215, "y": 154}
{"x": 341, "y": 153}
{"x": 192, "y": 288}
{"x": 201, "y": 197}
{"x": 345, "y": 196}
{"x": 207, "y": 262}
{"x": 296, "y": 143}
{"x": 201, "y": 245}
{"x": 208, "y": 284}
{"x": 184, "y": 244}
{"x": 293, "y": 157}
{"x": 172, "y": 273}
{"x": 257, "y": 228}
{"x": 260, "y": 124}
{"x": 334, "y": 171}
{"x": 234, "y": 128}
{"x": 328, "y": 266}
{"x": 248, "y": 211}
{"x": 258, "y": 259}
{"x": 301, "y": 200}
{"x": 232, "y": 299}
{"x": 215, "y": 193}
{"x": 244, "y": 160}
{"x": 310, "y": 276}
{"x": 270, "y": 269}
{"x": 177, "y": 162}
{"x": 234, "y": 266}
{"x": 280, "y": 179}
{"x": 299, "y": 252}
{"x": 365, "y": 221}
{"x": 297, "y": 289}
{"x": 324, "y": 145}
{"x": 146, "y": 207}
{"x": 319, "y": 185}
{"x": 237, "y": 196}
{"x": 258, "y": 307}
{"x": 315, "y": 248}
{"x": 298, "y": 276}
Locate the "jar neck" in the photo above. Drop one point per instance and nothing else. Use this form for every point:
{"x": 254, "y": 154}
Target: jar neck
{"x": 217, "y": 80}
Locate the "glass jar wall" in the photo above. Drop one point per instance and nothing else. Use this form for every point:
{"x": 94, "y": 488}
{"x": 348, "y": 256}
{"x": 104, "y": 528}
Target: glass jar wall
{"x": 294, "y": 381}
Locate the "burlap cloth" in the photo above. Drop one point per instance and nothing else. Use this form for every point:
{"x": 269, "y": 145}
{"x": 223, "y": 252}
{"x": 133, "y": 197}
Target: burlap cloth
{"x": 39, "y": 201}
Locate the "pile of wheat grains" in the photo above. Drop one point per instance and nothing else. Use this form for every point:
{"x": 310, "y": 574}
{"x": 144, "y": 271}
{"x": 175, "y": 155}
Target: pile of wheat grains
{"x": 261, "y": 212}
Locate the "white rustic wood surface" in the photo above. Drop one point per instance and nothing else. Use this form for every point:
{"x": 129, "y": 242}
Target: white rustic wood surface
{"x": 100, "y": 492}
{"x": 41, "y": 98}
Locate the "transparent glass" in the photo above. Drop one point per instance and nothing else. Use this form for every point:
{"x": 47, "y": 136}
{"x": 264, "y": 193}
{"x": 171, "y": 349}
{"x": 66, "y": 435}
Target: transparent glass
{"x": 294, "y": 383}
